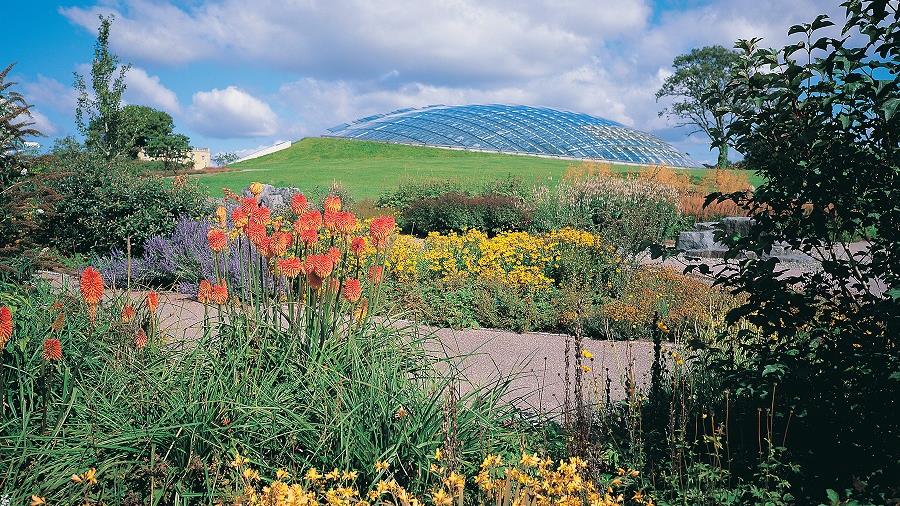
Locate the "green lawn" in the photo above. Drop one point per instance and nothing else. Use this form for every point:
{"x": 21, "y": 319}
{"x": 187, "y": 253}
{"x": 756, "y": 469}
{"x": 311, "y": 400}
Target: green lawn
{"x": 368, "y": 169}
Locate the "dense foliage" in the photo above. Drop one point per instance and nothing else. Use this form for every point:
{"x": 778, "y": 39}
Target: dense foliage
{"x": 818, "y": 120}
{"x": 101, "y": 206}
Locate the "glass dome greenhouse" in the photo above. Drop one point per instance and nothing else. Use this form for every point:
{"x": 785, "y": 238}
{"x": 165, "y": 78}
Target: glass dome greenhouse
{"x": 516, "y": 129}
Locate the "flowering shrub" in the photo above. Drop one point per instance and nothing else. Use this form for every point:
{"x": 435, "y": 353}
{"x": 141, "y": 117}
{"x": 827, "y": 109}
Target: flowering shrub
{"x": 684, "y": 304}
{"x": 516, "y": 259}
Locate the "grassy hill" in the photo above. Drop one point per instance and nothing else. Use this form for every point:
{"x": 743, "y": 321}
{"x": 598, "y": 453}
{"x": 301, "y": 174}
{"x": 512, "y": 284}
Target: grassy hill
{"x": 367, "y": 169}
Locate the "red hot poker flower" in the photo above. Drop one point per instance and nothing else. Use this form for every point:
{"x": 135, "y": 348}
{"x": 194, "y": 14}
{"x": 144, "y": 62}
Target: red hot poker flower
{"x": 255, "y": 232}
{"x": 309, "y": 237}
{"x": 351, "y": 290}
{"x": 334, "y": 254}
{"x": 376, "y": 272}
{"x": 52, "y": 350}
{"x": 6, "y": 326}
{"x": 310, "y": 220}
{"x": 261, "y": 215}
{"x": 281, "y": 241}
{"x": 217, "y": 239}
{"x": 152, "y": 301}
{"x": 332, "y": 203}
{"x": 219, "y": 293}
{"x": 380, "y": 229}
{"x": 91, "y": 286}
{"x": 358, "y": 246}
{"x": 345, "y": 222}
{"x": 127, "y": 313}
{"x": 299, "y": 203}
{"x": 290, "y": 267}
{"x": 140, "y": 339}
{"x": 204, "y": 292}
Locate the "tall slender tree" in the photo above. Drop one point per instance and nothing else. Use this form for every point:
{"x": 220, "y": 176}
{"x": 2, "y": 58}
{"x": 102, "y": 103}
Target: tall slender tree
{"x": 703, "y": 99}
{"x": 98, "y": 113}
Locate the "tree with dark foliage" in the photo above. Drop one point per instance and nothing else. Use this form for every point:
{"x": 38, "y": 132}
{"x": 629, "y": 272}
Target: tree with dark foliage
{"x": 819, "y": 120}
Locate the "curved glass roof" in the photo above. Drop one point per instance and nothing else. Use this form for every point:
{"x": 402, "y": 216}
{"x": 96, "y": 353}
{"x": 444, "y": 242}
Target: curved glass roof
{"x": 515, "y": 129}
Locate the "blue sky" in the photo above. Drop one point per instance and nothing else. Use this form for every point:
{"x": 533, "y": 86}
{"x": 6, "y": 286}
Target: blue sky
{"x": 238, "y": 75}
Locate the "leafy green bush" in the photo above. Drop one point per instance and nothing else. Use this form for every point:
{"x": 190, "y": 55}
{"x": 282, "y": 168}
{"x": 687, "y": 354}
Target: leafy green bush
{"x": 100, "y": 207}
{"x": 460, "y": 212}
{"x": 409, "y": 192}
{"x": 627, "y": 212}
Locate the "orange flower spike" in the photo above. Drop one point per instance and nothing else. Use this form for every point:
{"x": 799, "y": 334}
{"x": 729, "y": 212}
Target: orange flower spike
{"x": 265, "y": 247}
{"x": 310, "y": 220}
{"x": 92, "y": 286}
{"x": 261, "y": 215}
{"x": 380, "y": 229}
{"x": 219, "y": 294}
{"x": 217, "y": 239}
{"x": 334, "y": 254}
{"x": 309, "y": 237}
{"x": 204, "y": 292}
{"x": 299, "y": 203}
{"x": 376, "y": 272}
{"x": 332, "y": 203}
{"x": 256, "y": 232}
{"x": 345, "y": 223}
{"x": 358, "y": 246}
{"x": 6, "y": 326}
{"x": 140, "y": 339}
{"x": 280, "y": 242}
{"x": 128, "y": 313}
{"x": 330, "y": 220}
{"x": 152, "y": 301}
{"x": 222, "y": 216}
{"x": 239, "y": 217}
{"x": 351, "y": 290}
{"x": 52, "y": 350}
{"x": 290, "y": 267}
{"x": 248, "y": 204}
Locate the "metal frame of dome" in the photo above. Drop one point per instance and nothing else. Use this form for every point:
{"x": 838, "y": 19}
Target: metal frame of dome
{"x": 519, "y": 129}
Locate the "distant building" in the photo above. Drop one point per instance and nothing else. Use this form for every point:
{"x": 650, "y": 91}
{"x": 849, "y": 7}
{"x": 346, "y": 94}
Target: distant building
{"x": 199, "y": 158}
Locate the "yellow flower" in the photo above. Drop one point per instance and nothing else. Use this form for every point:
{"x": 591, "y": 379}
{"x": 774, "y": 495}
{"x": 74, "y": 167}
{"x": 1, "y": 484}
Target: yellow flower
{"x": 256, "y": 188}
{"x": 441, "y": 498}
{"x": 333, "y": 475}
{"x": 455, "y": 481}
{"x": 313, "y": 475}
{"x": 585, "y": 369}
{"x": 438, "y": 454}
{"x": 238, "y": 461}
{"x": 76, "y": 479}
{"x": 281, "y": 474}
{"x": 90, "y": 476}
{"x": 251, "y": 474}
{"x": 587, "y": 354}
{"x": 37, "y": 500}
{"x": 529, "y": 460}
{"x": 381, "y": 466}
{"x": 349, "y": 475}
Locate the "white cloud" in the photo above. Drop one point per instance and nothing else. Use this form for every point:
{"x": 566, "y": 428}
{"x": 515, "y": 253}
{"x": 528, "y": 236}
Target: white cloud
{"x": 40, "y": 122}
{"x": 445, "y": 40}
{"x": 231, "y": 112}
{"x": 49, "y": 92}
{"x": 144, "y": 89}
